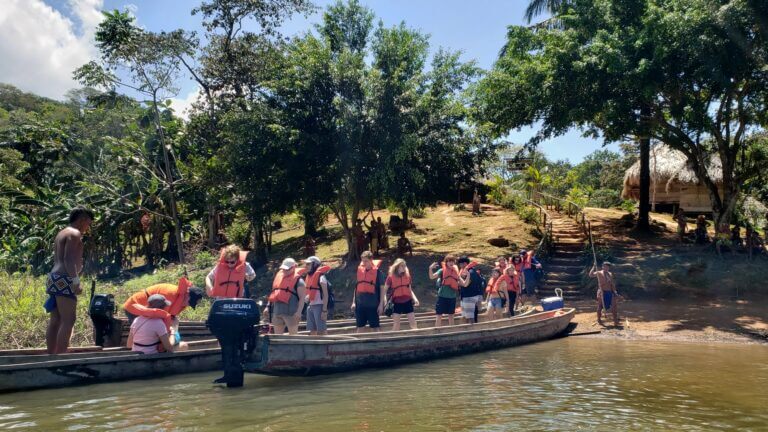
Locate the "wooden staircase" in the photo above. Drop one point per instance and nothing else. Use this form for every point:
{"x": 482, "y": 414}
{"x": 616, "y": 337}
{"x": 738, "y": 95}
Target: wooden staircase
{"x": 565, "y": 268}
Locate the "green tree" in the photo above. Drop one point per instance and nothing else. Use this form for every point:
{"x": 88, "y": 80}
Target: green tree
{"x": 689, "y": 73}
{"x": 150, "y": 63}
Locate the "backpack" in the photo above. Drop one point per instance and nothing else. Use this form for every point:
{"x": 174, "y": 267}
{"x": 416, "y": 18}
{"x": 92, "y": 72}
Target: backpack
{"x": 483, "y": 281}
{"x": 331, "y": 297}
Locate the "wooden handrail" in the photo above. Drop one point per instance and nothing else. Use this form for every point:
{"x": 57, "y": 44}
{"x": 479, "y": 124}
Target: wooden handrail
{"x": 579, "y": 216}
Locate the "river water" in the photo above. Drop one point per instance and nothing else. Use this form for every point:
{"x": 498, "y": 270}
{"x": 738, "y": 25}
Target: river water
{"x": 566, "y": 384}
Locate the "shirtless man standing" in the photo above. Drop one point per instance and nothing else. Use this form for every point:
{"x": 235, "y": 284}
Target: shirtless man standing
{"x": 63, "y": 283}
{"x": 606, "y": 292}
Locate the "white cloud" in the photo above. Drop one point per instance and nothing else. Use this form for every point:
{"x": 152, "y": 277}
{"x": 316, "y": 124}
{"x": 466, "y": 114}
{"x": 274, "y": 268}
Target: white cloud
{"x": 40, "y": 47}
{"x": 181, "y": 106}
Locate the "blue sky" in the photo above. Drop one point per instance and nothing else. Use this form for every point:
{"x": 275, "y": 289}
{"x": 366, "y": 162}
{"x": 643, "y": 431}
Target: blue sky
{"x": 477, "y": 28}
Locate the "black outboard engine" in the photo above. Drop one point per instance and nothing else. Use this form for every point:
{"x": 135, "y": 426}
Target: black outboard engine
{"x": 107, "y": 330}
{"x": 232, "y": 321}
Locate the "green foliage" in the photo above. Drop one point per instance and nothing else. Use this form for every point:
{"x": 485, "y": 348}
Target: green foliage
{"x": 529, "y": 214}
{"x": 418, "y": 212}
{"x": 239, "y": 232}
{"x": 628, "y": 206}
{"x": 496, "y": 189}
{"x": 579, "y": 195}
{"x": 604, "y": 198}
{"x": 205, "y": 259}
{"x": 697, "y": 66}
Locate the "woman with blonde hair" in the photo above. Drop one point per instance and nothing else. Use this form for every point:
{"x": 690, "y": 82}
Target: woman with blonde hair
{"x": 227, "y": 279}
{"x": 403, "y": 298}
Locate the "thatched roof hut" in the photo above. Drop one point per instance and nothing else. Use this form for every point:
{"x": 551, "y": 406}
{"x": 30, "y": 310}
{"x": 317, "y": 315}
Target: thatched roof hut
{"x": 673, "y": 182}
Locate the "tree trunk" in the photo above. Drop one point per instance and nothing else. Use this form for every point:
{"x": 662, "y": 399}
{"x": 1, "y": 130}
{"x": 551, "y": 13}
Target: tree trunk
{"x": 310, "y": 221}
{"x": 259, "y": 245}
{"x": 170, "y": 182}
{"x": 340, "y": 211}
{"x": 643, "y": 221}
{"x": 213, "y": 227}
{"x": 404, "y": 213}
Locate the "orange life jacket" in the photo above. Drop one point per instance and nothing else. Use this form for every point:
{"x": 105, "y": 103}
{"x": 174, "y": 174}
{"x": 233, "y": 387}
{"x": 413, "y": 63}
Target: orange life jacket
{"x": 137, "y": 304}
{"x": 469, "y": 266}
{"x": 283, "y": 287}
{"x": 450, "y": 277}
{"x": 505, "y": 277}
{"x": 313, "y": 282}
{"x": 491, "y": 284}
{"x": 515, "y": 283}
{"x": 401, "y": 285}
{"x": 229, "y": 282}
{"x": 366, "y": 279}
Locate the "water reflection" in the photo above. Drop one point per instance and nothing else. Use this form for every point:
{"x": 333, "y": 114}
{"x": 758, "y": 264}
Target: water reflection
{"x": 568, "y": 384}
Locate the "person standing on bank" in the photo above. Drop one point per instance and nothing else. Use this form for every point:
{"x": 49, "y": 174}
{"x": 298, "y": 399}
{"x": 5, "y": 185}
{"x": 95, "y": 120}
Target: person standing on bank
{"x": 317, "y": 295}
{"x": 63, "y": 283}
{"x": 471, "y": 291}
{"x": 369, "y": 299}
{"x": 287, "y": 297}
{"x": 450, "y": 280}
{"x": 497, "y": 293}
{"x": 227, "y": 279}
{"x": 606, "y": 292}
{"x": 398, "y": 284}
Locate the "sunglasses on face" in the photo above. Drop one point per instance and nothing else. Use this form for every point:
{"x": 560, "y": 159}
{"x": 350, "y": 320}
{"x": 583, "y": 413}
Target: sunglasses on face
{"x": 231, "y": 262}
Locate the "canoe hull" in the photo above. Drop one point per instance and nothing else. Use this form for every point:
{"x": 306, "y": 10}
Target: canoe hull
{"x": 287, "y": 355}
{"x": 82, "y": 371}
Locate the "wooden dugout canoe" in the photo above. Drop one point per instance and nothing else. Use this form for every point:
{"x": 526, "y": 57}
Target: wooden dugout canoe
{"x": 308, "y": 355}
{"x": 29, "y": 369}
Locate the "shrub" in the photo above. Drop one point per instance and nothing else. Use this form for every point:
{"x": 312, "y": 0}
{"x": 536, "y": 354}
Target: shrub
{"x": 418, "y": 213}
{"x": 628, "y": 206}
{"x": 529, "y": 214}
{"x": 604, "y": 198}
{"x": 205, "y": 259}
{"x": 239, "y": 232}
{"x": 513, "y": 202}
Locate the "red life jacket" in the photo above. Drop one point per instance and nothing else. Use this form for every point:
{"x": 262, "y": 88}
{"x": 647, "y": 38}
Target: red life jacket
{"x": 178, "y": 294}
{"x": 450, "y": 277}
{"x": 229, "y": 282}
{"x": 366, "y": 278}
{"x": 284, "y": 286}
{"x": 313, "y": 282}
{"x": 401, "y": 286}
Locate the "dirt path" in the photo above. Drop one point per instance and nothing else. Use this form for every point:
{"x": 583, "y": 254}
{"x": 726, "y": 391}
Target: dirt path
{"x": 448, "y": 221}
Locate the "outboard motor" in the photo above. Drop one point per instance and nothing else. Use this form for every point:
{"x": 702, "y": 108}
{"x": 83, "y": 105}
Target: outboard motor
{"x": 106, "y": 328}
{"x": 232, "y": 321}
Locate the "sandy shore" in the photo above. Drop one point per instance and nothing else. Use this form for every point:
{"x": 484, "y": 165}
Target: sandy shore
{"x": 678, "y": 320}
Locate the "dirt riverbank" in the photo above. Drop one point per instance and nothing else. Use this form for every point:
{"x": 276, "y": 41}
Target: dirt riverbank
{"x": 680, "y": 320}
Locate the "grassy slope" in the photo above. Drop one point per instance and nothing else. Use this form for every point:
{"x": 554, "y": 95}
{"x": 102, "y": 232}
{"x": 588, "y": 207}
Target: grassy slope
{"x": 657, "y": 266}
{"x": 442, "y": 230}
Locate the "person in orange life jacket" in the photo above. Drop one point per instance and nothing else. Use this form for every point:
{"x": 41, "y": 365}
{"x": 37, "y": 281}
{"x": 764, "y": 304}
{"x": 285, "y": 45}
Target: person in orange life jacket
{"x": 530, "y": 264}
{"x": 513, "y": 289}
{"x": 287, "y": 297}
{"x": 496, "y": 294}
{"x": 180, "y": 295}
{"x": 149, "y": 335}
{"x": 517, "y": 262}
{"x": 227, "y": 279}
{"x": 501, "y": 263}
{"x": 369, "y": 298}
{"x": 471, "y": 290}
{"x": 398, "y": 285}
{"x": 317, "y": 296}
{"x": 450, "y": 280}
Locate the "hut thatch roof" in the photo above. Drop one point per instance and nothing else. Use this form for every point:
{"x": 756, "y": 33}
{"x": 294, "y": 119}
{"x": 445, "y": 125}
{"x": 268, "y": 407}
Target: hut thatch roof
{"x": 668, "y": 166}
